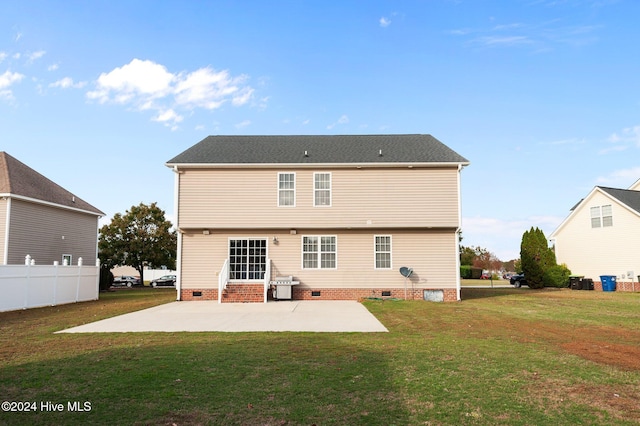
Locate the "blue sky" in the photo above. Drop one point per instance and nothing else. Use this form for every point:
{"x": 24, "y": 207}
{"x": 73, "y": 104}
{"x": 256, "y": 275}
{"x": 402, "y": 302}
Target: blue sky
{"x": 542, "y": 96}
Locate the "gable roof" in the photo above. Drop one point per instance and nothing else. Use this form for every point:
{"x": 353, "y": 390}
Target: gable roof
{"x": 626, "y": 196}
{"x": 20, "y": 180}
{"x": 319, "y": 149}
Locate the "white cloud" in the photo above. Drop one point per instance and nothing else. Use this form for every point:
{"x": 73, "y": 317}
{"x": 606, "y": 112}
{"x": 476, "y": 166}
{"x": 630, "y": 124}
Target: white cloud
{"x": 342, "y": 120}
{"x": 384, "y": 22}
{"x": 207, "y": 89}
{"x": 3, "y": 56}
{"x": 67, "y": 83}
{"x": 150, "y": 86}
{"x": 503, "y": 41}
{"x": 623, "y": 140}
{"x": 53, "y": 67}
{"x": 138, "y": 78}
{"x": 503, "y": 237}
{"x": 622, "y": 178}
{"x": 629, "y": 135}
{"x": 31, "y": 57}
{"x": 243, "y": 124}
{"x": 6, "y": 80}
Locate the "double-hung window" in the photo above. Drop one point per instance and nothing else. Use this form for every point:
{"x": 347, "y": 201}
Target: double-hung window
{"x": 601, "y": 216}
{"x": 382, "y": 249}
{"x": 319, "y": 252}
{"x": 286, "y": 189}
{"x": 322, "y": 189}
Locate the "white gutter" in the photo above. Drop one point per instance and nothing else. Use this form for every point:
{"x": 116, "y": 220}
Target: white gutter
{"x": 457, "y": 242}
{"x": 48, "y": 203}
{"x": 315, "y": 165}
{"x": 176, "y": 194}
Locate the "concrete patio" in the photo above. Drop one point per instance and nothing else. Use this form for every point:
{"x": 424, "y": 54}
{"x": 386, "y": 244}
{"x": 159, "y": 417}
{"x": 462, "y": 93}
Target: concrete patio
{"x": 203, "y": 316}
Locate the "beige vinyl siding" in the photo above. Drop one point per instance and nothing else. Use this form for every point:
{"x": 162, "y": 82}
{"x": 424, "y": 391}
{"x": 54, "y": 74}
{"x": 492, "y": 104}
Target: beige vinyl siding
{"x": 431, "y": 254}
{"x": 610, "y": 250}
{"x": 360, "y": 198}
{"x": 3, "y": 227}
{"x": 37, "y": 230}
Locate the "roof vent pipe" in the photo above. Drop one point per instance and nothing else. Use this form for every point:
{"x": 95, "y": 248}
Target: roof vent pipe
{"x": 306, "y": 154}
{"x": 380, "y": 153}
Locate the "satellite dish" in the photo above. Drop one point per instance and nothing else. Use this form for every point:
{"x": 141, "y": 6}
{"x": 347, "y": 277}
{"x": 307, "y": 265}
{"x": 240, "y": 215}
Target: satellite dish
{"x": 406, "y": 272}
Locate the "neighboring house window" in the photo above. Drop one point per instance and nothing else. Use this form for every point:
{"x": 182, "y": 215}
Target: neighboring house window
{"x": 286, "y": 189}
{"x": 383, "y": 251}
{"x": 322, "y": 189}
{"x": 319, "y": 252}
{"x": 595, "y": 217}
{"x": 66, "y": 259}
{"x": 607, "y": 215}
{"x": 247, "y": 259}
{"x": 601, "y": 216}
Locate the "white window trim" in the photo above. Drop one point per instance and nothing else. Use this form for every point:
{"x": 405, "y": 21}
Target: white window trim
{"x": 604, "y": 225}
{"x": 375, "y": 263}
{"x": 600, "y": 216}
{"x": 294, "y": 188}
{"x": 330, "y": 189}
{"x": 319, "y": 268}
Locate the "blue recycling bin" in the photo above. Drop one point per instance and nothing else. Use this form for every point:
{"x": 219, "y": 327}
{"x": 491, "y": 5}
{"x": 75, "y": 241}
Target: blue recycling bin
{"x": 608, "y": 282}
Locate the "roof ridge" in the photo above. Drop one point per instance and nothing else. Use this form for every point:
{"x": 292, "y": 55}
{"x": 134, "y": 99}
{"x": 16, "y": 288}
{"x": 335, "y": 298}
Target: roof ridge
{"x": 16, "y": 178}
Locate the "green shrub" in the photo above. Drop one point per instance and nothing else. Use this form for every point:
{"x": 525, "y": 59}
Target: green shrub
{"x": 557, "y": 276}
{"x": 465, "y": 272}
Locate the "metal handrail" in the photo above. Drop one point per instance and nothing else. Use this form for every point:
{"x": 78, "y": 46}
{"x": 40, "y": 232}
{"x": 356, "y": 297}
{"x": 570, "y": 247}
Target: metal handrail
{"x": 223, "y": 279}
{"x": 267, "y": 279}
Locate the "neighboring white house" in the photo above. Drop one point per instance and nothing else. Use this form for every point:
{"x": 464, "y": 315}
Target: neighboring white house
{"x": 601, "y": 236}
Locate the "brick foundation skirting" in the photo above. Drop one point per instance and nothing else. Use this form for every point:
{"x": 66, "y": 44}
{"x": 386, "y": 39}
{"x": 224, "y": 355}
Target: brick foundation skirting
{"x": 620, "y": 286}
{"x": 244, "y": 293}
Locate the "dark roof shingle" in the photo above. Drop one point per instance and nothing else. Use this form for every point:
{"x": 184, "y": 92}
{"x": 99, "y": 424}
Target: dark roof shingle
{"x": 625, "y": 196}
{"x": 319, "y": 149}
{"x": 16, "y": 178}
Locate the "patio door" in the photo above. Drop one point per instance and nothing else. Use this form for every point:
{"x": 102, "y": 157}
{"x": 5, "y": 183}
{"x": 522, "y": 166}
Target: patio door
{"x": 247, "y": 258}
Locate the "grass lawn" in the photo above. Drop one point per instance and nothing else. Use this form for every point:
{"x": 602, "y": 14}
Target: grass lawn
{"x": 499, "y": 357}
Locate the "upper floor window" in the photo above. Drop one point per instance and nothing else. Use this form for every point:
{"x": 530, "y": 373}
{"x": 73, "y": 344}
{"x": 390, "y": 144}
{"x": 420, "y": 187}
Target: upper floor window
{"x": 322, "y": 189}
{"x": 601, "y": 216}
{"x": 286, "y": 189}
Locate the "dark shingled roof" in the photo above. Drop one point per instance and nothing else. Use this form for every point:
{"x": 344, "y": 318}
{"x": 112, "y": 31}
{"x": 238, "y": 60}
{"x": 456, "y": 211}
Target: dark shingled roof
{"x": 625, "y": 196}
{"x": 320, "y": 149}
{"x": 17, "y": 178}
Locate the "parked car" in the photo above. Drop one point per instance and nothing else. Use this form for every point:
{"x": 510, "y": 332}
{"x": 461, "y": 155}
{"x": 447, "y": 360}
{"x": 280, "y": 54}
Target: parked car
{"x": 518, "y": 280}
{"x": 164, "y": 281}
{"x": 126, "y": 280}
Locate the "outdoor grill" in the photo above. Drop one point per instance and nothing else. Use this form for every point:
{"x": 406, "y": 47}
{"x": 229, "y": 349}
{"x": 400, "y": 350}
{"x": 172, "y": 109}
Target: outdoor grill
{"x": 281, "y": 287}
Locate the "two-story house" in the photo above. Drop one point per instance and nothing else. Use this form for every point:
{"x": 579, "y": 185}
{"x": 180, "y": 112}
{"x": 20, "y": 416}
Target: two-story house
{"x": 340, "y": 214}
{"x": 601, "y": 236}
{"x": 41, "y": 219}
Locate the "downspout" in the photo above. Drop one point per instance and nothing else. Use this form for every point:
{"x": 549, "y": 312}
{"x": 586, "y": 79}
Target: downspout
{"x": 176, "y": 194}
{"x": 458, "y": 231}
{"x": 5, "y": 259}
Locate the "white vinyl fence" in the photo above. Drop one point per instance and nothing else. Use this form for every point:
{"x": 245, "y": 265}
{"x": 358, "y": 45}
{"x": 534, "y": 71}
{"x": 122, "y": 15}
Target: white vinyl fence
{"x": 30, "y": 286}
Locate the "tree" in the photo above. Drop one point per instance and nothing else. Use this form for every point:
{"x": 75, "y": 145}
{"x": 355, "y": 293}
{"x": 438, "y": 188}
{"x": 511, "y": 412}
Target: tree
{"x": 536, "y": 258}
{"x": 141, "y": 237}
{"x": 467, "y": 254}
{"x": 486, "y": 260}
